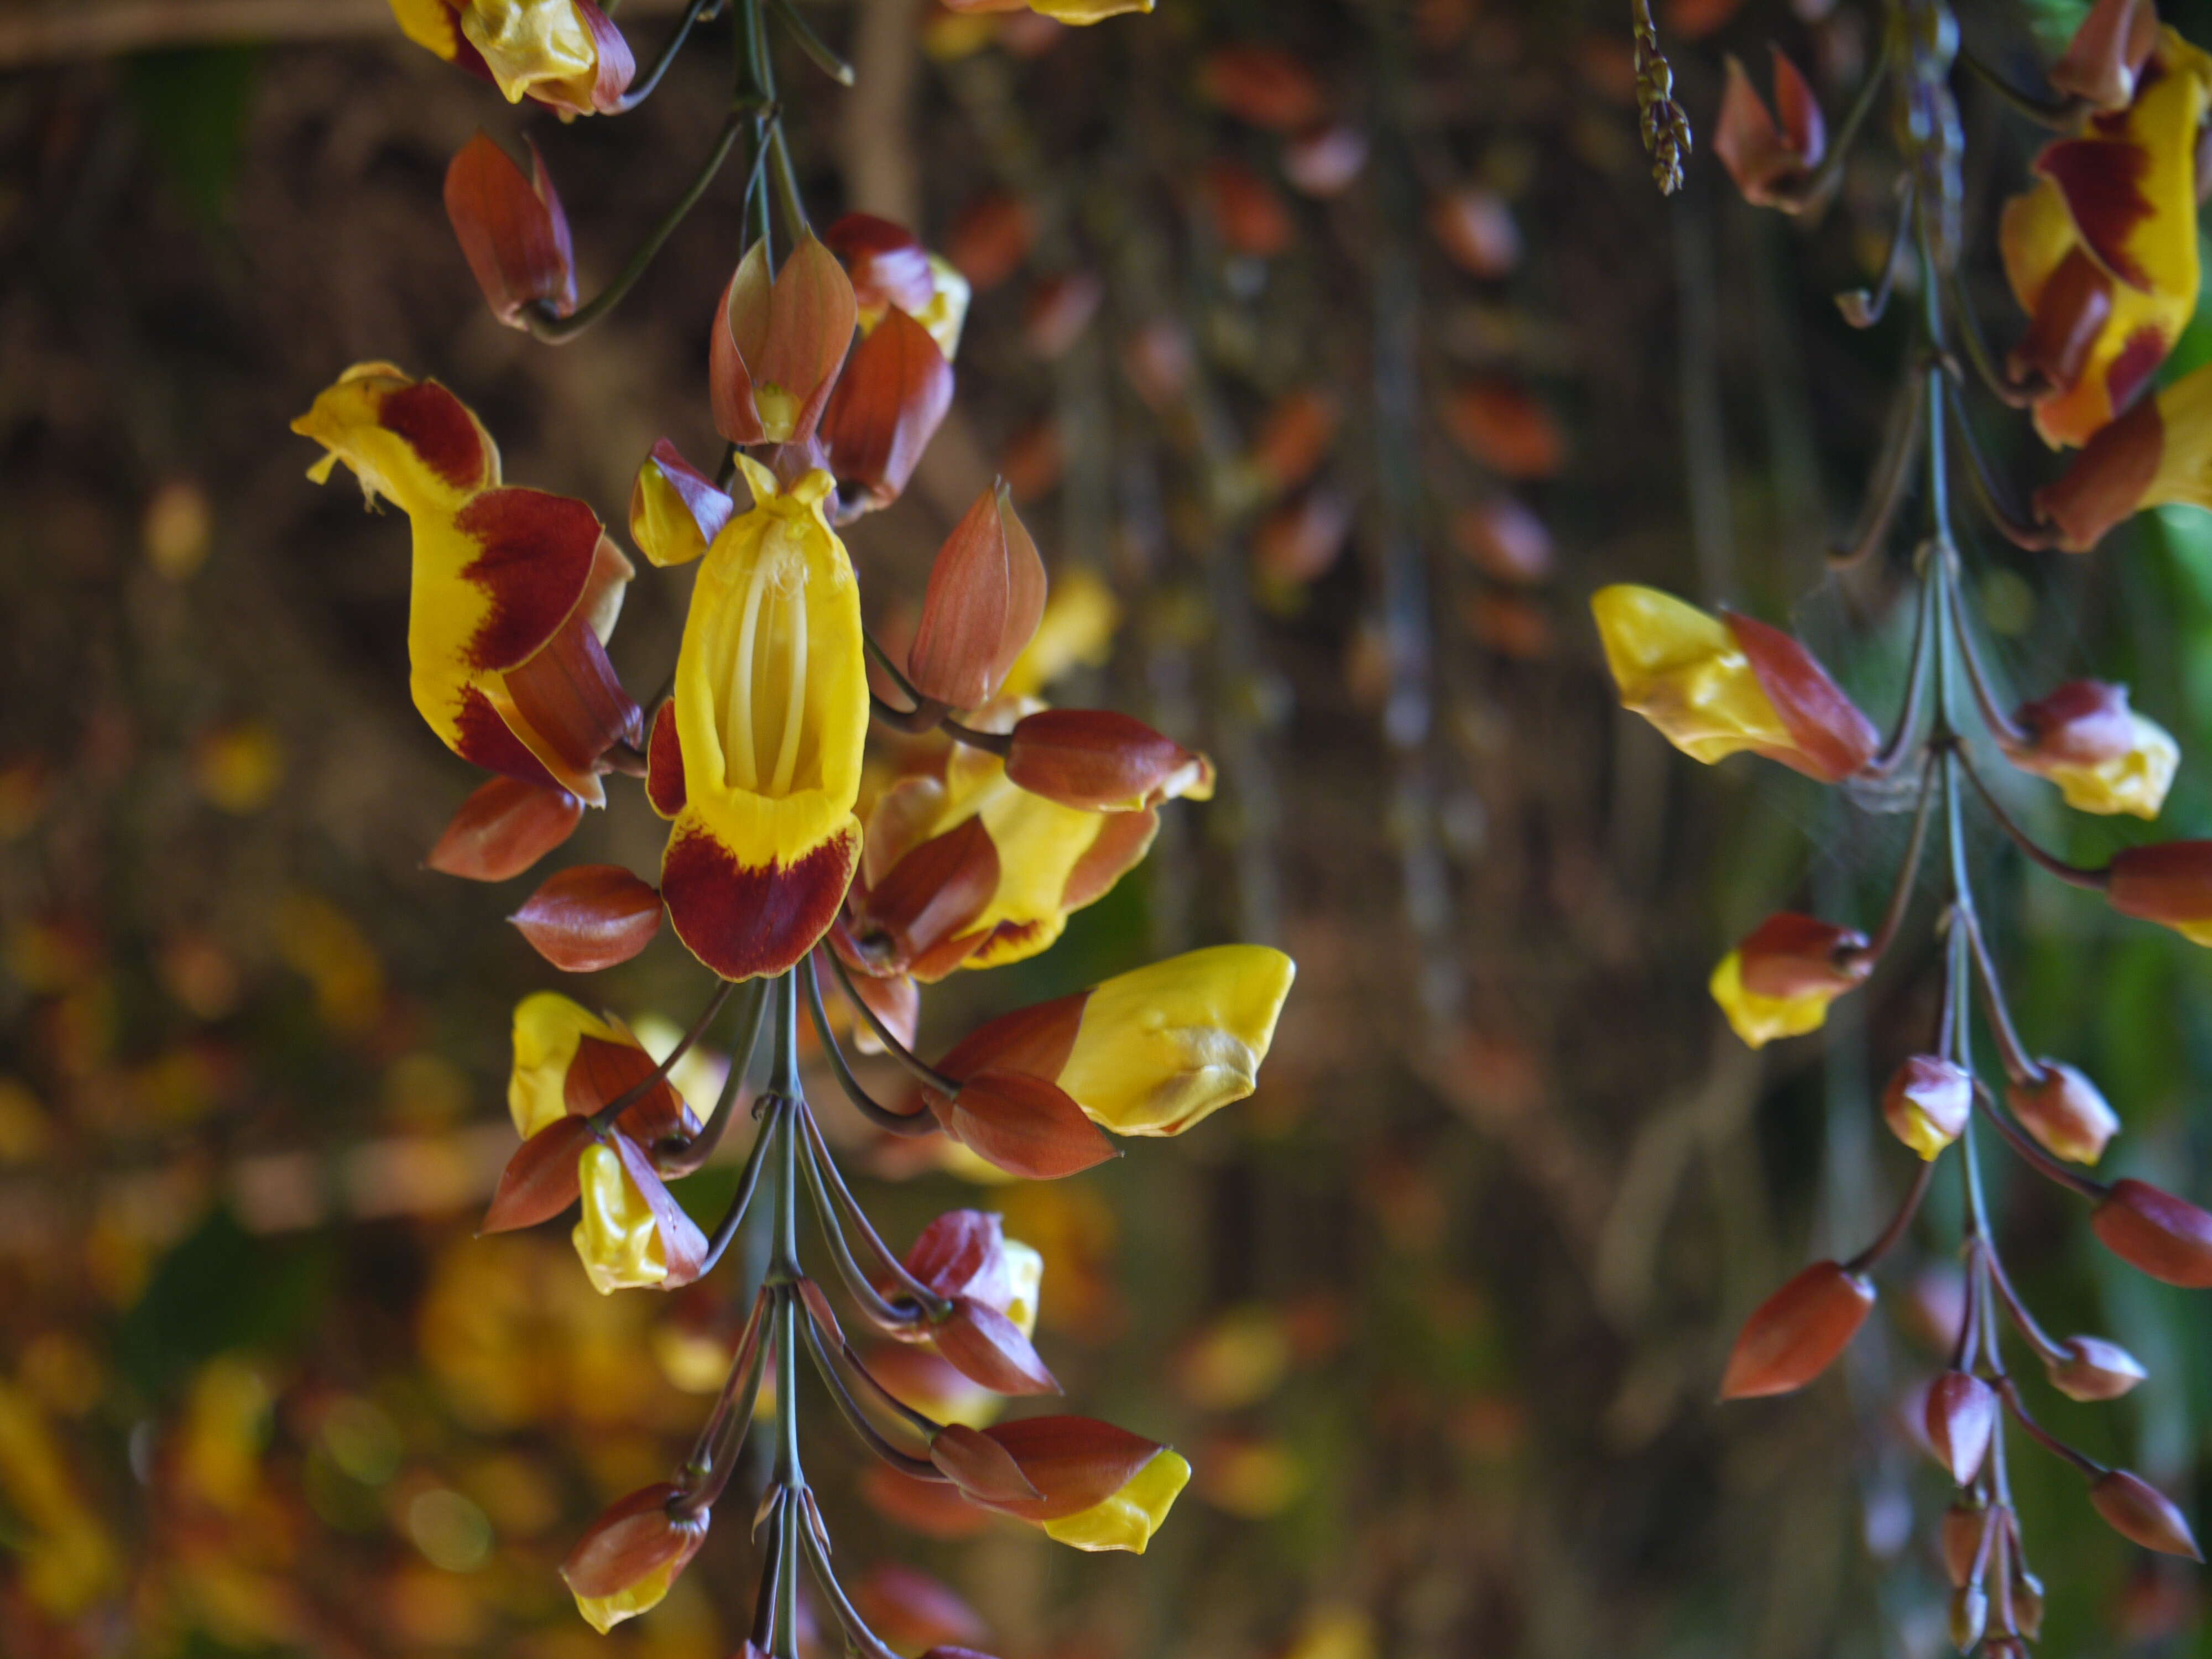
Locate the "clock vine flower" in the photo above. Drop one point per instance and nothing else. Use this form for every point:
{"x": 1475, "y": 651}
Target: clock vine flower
{"x": 2101, "y": 252}
{"x": 795, "y": 854}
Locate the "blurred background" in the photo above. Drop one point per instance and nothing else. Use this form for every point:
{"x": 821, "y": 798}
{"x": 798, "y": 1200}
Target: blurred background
{"x": 1349, "y": 386}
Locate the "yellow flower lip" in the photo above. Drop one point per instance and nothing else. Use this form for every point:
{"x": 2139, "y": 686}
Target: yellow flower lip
{"x": 1779, "y": 981}
{"x": 770, "y": 718}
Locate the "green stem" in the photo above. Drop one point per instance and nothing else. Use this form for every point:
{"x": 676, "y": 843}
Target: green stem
{"x": 641, "y": 89}
{"x": 539, "y": 317}
{"x": 812, "y": 44}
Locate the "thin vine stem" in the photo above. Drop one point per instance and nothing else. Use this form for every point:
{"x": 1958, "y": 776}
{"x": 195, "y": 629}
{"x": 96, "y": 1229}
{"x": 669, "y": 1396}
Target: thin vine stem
{"x": 825, "y": 1167}
{"x": 641, "y": 89}
{"x": 882, "y": 1116}
{"x": 928, "y": 1075}
{"x": 645, "y": 1086}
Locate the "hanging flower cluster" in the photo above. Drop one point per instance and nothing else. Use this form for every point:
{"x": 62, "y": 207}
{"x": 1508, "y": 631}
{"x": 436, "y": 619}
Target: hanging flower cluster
{"x": 2101, "y": 252}
{"x": 793, "y": 853}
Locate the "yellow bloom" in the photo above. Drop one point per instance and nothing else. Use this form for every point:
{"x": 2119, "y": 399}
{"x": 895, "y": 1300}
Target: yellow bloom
{"x": 2133, "y": 782}
{"x": 1759, "y": 1020}
{"x": 946, "y": 314}
{"x": 1081, "y": 12}
{"x": 2102, "y": 251}
{"x": 62, "y": 1556}
{"x": 1779, "y": 981}
{"x": 632, "y": 1234}
{"x": 604, "y": 1612}
{"x": 1164, "y": 1047}
{"x": 1127, "y": 1520}
{"x": 514, "y": 591}
{"x": 770, "y": 717}
{"x": 549, "y": 1029}
{"x": 564, "y": 53}
{"x": 1715, "y": 686}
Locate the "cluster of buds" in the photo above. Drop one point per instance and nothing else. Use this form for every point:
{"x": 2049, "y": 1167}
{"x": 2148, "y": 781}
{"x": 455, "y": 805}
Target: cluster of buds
{"x": 2102, "y": 253}
{"x": 795, "y": 854}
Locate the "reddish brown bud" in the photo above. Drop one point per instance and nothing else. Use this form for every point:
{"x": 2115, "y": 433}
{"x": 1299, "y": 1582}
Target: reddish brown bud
{"x": 1058, "y": 310}
{"x": 2142, "y": 1514}
{"x": 1265, "y": 85}
{"x": 1833, "y": 738}
{"x": 926, "y": 898}
{"x": 1157, "y": 359}
{"x": 1247, "y": 215}
{"x": 1071, "y": 1462}
{"x": 887, "y": 408}
{"x": 989, "y": 238}
{"x": 1024, "y": 1125}
{"x": 983, "y": 1469}
{"x": 2101, "y": 63}
{"x": 1324, "y": 162}
{"x": 1506, "y": 429}
{"x": 2108, "y": 480}
{"x": 2091, "y": 1368}
{"x": 1476, "y": 229}
{"x": 887, "y": 265}
{"x": 2081, "y": 723}
{"x": 987, "y": 593}
{"x": 1962, "y": 1417}
{"x": 1036, "y": 1040}
{"x": 633, "y": 1540}
{"x": 912, "y": 1611}
{"x": 777, "y": 344}
{"x": 894, "y": 999}
{"x": 503, "y": 829}
{"x": 1928, "y": 1103}
{"x": 2063, "y": 1110}
{"x": 1300, "y": 541}
{"x": 1512, "y": 624}
{"x": 1796, "y": 1332}
{"x": 2026, "y": 1602}
{"x": 1791, "y": 954}
{"x": 1503, "y": 540}
{"x": 1293, "y": 437}
{"x": 512, "y": 230}
{"x": 1965, "y": 1526}
{"x": 1768, "y": 160}
{"x": 2168, "y": 882}
{"x": 2157, "y": 1233}
{"x": 590, "y": 916}
{"x": 1969, "y": 1616}
{"x": 986, "y": 1346}
{"x": 539, "y": 1181}
{"x": 1098, "y": 759}
{"x": 2071, "y": 311}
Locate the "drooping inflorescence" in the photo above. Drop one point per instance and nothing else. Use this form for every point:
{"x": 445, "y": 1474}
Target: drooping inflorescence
{"x": 800, "y": 863}
{"x": 2101, "y": 251}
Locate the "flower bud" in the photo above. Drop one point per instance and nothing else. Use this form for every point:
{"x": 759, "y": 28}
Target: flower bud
{"x": 1098, "y": 1487}
{"x": 511, "y": 231}
{"x": 1716, "y": 686}
{"x": 1926, "y": 1103}
{"x": 1796, "y": 1332}
{"x": 1779, "y": 981}
{"x": 1248, "y": 214}
{"x": 1059, "y": 308}
{"x": 1323, "y": 163}
{"x": 1969, "y": 1616}
{"x": 2027, "y": 1604}
{"x": 1503, "y": 540}
{"x": 2104, "y": 757}
{"x": 1476, "y": 229}
{"x": 2156, "y": 1233}
{"x": 1966, "y": 1524}
{"x": 1770, "y": 162}
{"x": 1293, "y": 438}
{"x": 915, "y": 1612}
{"x": 2142, "y": 1514}
{"x": 1960, "y": 1417}
{"x": 675, "y": 510}
{"x": 590, "y": 916}
{"x": 1264, "y": 86}
{"x": 1097, "y": 760}
{"x": 778, "y": 342}
{"x": 633, "y": 1234}
{"x": 989, "y": 238}
{"x": 1506, "y": 427}
{"x": 1023, "y": 1125}
{"x": 992, "y": 1282}
{"x": 913, "y": 900}
{"x": 2168, "y": 882}
{"x": 627, "y": 1559}
{"x": 2094, "y": 1369}
{"x": 504, "y": 828}
{"x": 2063, "y": 1110}
{"x": 888, "y": 266}
{"x": 1150, "y": 1051}
{"x": 887, "y": 408}
{"x": 986, "y": 597}
{"x": 2101, "y": 64}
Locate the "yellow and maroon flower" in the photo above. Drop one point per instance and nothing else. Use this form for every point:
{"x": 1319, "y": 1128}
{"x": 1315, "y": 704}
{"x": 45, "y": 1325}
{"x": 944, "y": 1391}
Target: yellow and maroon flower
{"x": 2157, "y": 454}
{"x": 1779, "y": 981}
{"x": 514, "y": 591}
{"x": 2104, "y": 757}
{"x": 757, "y": 755}
{"x": 626, "y": 1561}
{"x": 2102, "y": 252}
{"x": 1085, "y": 1483}
{"x": 892, "y": 271}
{"x": 563, "y": 53}
{"x": 1717, "y": 685}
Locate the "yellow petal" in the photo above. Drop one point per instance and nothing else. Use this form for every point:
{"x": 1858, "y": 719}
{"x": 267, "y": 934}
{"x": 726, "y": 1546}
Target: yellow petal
{"x": 946, "y": 314}
{"x": 1164, "y": 1047}
{"x": 549, "y": 1028}
{"x": 535, "y": 46}
{"x": 1759, "y": 1020}
{"x": 1026, "y": 1270}
{"x": 1682, "y": 670}
{"x": 1082, "y": 12}
{"x": 427, "y": 23}
{"x": 1127, "y": 1520}
{"x": 616, "y": 1238}
{"x": 2185, "y": 466}
{"x": 2135, "y": 782}
{"x": 604, "y": 1612}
